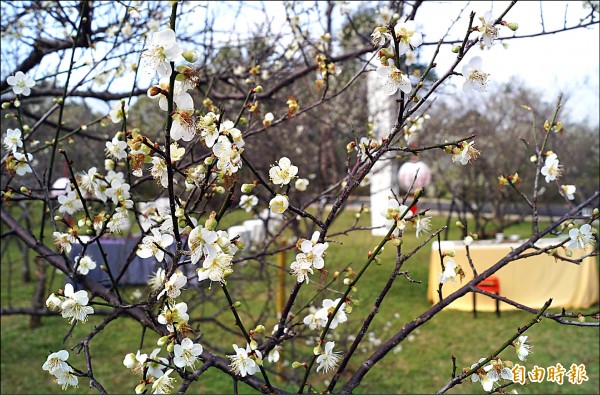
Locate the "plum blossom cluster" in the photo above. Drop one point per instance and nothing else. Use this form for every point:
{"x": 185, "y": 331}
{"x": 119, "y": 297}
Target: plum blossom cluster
{"x": 390, "y": 76}
{"x": 310, "y": 258}
{"x": 71, "y": 304}
{"x": 245, "y": 361}
{"x": 398, "y": 214}
{"x": 317, "y": 319}
{"x": 150, "y": 369}
{"x": 18, "y": 161}
{"x": 56, "y": 364}
{"x": 463, "y": 152}
{"x": 492, "y": 374}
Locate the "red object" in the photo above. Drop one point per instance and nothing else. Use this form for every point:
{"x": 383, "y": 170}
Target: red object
{"x": 413, "y": 209}
{"x": 490, "y": 284}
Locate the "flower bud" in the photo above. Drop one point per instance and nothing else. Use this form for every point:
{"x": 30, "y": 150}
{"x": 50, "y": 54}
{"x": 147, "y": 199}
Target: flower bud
{"x": 456, "y": 49}
{"x": 237, "y": 304}
{"x": 17, "y": 103}
{"x": 57, "y": 218}
{"x": 247, "y": 188}
{"x": 397, "y": 241}
{"x": 259, "y": 329}
{"x": 258, "y": 89}
{"x": 140, "y": 388}
{"x": 595, "y": 212}
{"x": 109, "y": 164}
{"x": 81, "y": 223}
{"x": 219, "y": 189}
{"x": 181, "y": 223}
{"x": 162, "y": 341}
{"x": 179, "y": 212}
{"x": 5, "y": 105}
{"x": 209, "y": 161}
{"x": 8, "y": 116}
{"x": 317, "y": 349}
{"x": 211, "y": 223}
{"x": 24, "y": 189}
{"x": 253, "y": 344}
{"x": 580, "y": 318}
{"x": 296, "y": 364}
{"x": 191, "y": 56}
{"x": 514, "y": 26}
{"x": 170, "y": 347}
{"x": 347, "y": 281}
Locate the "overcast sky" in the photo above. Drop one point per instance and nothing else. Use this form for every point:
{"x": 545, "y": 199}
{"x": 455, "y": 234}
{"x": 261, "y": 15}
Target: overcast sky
{"x": 564, "y": 62}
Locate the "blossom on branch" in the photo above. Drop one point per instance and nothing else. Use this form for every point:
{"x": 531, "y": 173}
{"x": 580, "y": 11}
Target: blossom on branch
{"x": 21, "y": 83}
{"x": 162, "y": 49}
{"x": 474, "y": 77}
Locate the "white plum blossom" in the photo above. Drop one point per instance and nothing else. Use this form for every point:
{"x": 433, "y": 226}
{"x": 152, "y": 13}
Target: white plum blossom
{"x": 163, "y": 384}
{"x": 162, "y": 49}
{"x": 273, "y": 356}
{"x": 119, "y": 221}
{"x": 474, "y": 77}
{"x": 489, "y": 32}
{"x": 66, "y": 378}
{"x": 247, "y": 202}
{"x": 118, "y": 112}
{"x": 392, "y": 78}
{"x": 87, "y": 180}
{"x": 283, "y": 172}
{"x": 186, "y": 353}
{"x": 159, "y": 171}
{"x": 118, "y": 191}
{"x": 21, "y": 83}
{"x": 69, "y": 203}
{"x": 157, "y": 280}
{"x": 551, "y": 169}
{"x": 310, "y": 257}
{"x": 63, "y": 241}
{"x": 183, "y": 127}
{"x": 407, "y": 36}
{"x": 279, "y": 204}
{"x": 207, "y": 125}
{"x": 135, "y": 362}
{"x": 244, "y": 362}
{"x": 227, "y": 128}
{"x": 522, "y": 348}
{"x": 173, "y": 315}
{"x": 380, "y": 36}
{"x": 328, "y": 358}
{"x": 423, "y": 225}
{"x": 85, "y": 264}
{"x": 75, "y": 305}
{"x": 468, "y": 240}
{"x": 486, "y": 375}
{"x": 449, "y": 272}
{"x": 301, "y": 184}
{"x": 22, "y": 166}
{"x": 12, "y": 141}
{"x": 56, "y": 362}
{"x": 228, "y": 155}
{"x": 396, "y": 213}
{"x": 323, "y": 314}
{"x": 217, "y": 268}
{"x": 173, "y": 286}
{"x": 465, "y": 153}
{"x": 151, "y": 243}
{"x": 569, "y": 191}
{"x": 116, "y": 148}
{"x": 201, "y": 243}
{"x": 581, "y": 237}
{"x": 154, "y": 367}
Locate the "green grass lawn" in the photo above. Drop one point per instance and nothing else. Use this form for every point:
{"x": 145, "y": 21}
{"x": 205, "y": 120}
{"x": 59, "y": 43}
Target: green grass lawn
{"x": 422, "y": 365}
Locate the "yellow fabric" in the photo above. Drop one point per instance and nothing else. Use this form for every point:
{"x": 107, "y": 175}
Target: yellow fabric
{"x": 530, "y": 281}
